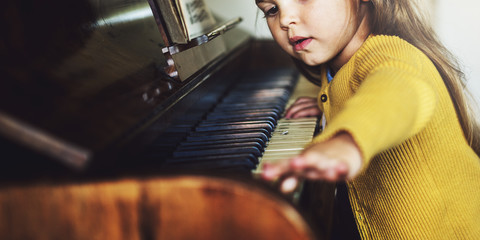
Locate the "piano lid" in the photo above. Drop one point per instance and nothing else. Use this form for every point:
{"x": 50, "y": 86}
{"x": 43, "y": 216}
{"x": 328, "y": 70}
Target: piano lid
{"x": 77, "y": 77}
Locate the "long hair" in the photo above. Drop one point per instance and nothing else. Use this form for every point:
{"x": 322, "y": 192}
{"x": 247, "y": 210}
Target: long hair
{"x": 403, "y": 18}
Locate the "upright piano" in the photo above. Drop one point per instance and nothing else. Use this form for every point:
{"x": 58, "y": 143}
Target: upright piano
{"x": 98, "y": 97}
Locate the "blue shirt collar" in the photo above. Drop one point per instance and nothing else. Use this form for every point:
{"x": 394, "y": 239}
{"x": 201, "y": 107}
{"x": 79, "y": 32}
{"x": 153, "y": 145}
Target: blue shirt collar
{"x": 329, "y": 75}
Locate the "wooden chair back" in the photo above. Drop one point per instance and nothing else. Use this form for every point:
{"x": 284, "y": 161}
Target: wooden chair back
{"x": 180, "y": 207}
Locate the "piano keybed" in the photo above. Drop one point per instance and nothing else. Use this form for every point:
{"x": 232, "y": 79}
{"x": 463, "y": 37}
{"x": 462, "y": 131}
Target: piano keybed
{"x": 240, "y": 129}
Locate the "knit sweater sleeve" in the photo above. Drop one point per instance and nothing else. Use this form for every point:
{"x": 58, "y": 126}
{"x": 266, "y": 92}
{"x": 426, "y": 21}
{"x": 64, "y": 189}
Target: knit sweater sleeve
{"x": 393, "y": 102}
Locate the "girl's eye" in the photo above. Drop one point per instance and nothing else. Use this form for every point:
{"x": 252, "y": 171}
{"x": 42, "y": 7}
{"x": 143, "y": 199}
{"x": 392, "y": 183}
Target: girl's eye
{"x": 271, "y": 11}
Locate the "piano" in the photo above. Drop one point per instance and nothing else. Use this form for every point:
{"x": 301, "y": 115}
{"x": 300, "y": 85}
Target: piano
{"x": 97, "y": 95}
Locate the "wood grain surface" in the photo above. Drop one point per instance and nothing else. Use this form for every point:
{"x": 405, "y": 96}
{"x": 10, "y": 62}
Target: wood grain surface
{"x": 180, "y": 207}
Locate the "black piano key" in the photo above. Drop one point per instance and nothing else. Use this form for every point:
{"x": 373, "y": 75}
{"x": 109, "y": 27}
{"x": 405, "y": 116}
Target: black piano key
{"x": 257, "y": 95}
{"x": 257, "y": 100}
{"x": 232, "y": 112}
{"x": 249, "y": 106}
{"x": 243, "y": 115}
{"x": 228, "y": 136}
{"x": 243, "y": 156}
{"x": 221, "y": 151}
{"x": 220, "y": 146}
{"x": 247, "y": 96}
{"x": 263, "y": 118}
{"x": 285, "y": 83}
{"x": 226, "y": 123}
{"x": 221, "y": 141}
{"x": 232, "y": 127}
{"x": 237, "y": 131}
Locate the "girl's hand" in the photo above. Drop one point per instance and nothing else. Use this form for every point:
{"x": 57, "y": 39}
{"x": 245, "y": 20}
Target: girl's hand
{"x": 303, "y": 107}
{"x": 336, "y": 159}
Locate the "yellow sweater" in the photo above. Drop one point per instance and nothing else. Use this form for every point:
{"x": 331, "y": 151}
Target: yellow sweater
{"x": 420, "y": 179}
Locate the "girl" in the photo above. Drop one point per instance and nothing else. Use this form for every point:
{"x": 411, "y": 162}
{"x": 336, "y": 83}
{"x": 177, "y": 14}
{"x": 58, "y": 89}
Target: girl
{"x": 398, "y": 127}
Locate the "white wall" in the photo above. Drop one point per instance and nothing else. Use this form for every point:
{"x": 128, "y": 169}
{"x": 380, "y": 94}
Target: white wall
{"x": 253, "y": 21}
{"x": 456, "y": 22}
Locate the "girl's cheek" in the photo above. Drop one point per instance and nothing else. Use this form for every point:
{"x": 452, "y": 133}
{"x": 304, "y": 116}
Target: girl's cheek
{"x": 271, "y": 25}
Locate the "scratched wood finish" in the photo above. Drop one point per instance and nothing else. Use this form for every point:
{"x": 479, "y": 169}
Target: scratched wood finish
{"x": 182, "y": 207}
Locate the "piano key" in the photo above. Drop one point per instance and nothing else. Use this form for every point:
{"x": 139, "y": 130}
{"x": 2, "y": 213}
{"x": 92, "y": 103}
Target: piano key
{"x": 243, "y": 156}
{"x": 227, "y": 123}
{"x": 288, "y": 140}
{"x": 231, "y": 127}
{"x": 286, "y": 145}
{"x": 291, "y": 133}
{"x": 242, "y": 116}
{"x": 278, "y": 98}
{"x": 207, "y": 152}
{"x": 247, "y": 122}
{"x": 228, "y": 136}
{"x": 285, "y": 83}
{"x": 252, "y": 109}
{"x": 238, "y": 119}
{"x": 220, "y": 146}
{"x": 245, "y": 104}
{"x": 235, "y": 140}
{"x": 279, "y": 155}
{"x": 236, "y": 131}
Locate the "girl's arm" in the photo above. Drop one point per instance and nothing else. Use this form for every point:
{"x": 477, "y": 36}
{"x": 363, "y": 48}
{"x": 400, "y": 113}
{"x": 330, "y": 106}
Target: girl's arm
{"x": 338, "y": 158}
{"x": 391, "y": 105}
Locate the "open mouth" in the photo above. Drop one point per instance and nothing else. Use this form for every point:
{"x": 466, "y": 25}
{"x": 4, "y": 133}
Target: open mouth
{"x": 300, "y": 43}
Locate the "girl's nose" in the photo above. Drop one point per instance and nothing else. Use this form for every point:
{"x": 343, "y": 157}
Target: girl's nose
{"x": 288, "y": 17}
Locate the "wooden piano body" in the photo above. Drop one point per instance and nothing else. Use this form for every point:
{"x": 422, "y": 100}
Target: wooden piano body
{"x": 86, "y": 87}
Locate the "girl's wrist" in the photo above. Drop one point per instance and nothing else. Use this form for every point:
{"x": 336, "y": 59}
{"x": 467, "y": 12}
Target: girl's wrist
{"x": 353, "y": 155}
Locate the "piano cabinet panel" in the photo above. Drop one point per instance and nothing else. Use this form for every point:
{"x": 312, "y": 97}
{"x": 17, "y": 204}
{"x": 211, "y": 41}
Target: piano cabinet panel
{"x": 83, "y": 72}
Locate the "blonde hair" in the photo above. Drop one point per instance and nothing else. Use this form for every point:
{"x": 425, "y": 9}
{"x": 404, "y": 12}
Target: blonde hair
{"x": 403, "y": 18}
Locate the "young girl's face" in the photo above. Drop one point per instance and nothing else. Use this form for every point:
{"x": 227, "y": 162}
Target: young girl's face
{"x": 315, "y": 31}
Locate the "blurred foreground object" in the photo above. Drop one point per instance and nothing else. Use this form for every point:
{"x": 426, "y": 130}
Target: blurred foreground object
{"x": 181, "y": 207}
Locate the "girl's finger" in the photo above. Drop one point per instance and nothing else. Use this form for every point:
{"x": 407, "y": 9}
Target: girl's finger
{"x": 306, "y": 112}
{"x": 300, "y": 105}
{"x": 271, "y": 171}
{"x": 289, "y": 184}
{"x": 305, "y": 99}
{"x": 317, "y": 166}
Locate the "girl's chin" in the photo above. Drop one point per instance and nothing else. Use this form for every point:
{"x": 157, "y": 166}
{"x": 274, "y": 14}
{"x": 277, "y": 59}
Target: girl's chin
{"x": 311, "y": 62}
{"x": 307, "y": 59}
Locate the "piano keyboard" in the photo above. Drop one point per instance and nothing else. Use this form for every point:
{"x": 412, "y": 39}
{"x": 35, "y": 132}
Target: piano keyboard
{"x": 240, "y": 130}
{"x": 288, "y": 140}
